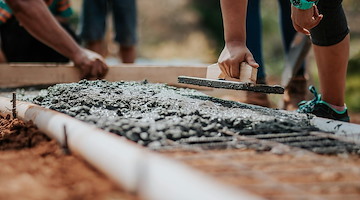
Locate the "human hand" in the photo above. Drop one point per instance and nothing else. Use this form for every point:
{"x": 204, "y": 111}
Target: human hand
{"x": 91, "y": 64}
{"x": 304, "y": 20}
{"x": 233, "y": 54}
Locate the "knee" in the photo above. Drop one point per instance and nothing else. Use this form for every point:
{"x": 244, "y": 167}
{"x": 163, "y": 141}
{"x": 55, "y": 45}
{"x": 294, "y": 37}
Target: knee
{"x": 333, "y": 28}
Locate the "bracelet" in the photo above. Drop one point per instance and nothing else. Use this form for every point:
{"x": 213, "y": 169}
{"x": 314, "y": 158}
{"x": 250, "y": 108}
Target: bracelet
{"x": 303, "y": 4}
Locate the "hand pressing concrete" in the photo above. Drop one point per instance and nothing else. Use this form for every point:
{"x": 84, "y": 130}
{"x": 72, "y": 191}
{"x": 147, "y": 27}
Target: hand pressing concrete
{"x": 91, "y": 64}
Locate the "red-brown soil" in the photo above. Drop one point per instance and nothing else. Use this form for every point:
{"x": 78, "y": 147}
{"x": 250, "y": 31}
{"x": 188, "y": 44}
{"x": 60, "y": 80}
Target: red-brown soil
{"x": 35, "y": 167}
{"x": 355, "y": 118}
{"x": 288, "y": 176}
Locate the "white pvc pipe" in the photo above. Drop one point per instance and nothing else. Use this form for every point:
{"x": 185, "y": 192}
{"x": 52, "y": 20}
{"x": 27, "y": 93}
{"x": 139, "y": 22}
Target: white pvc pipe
{"x": 348, "y": 130}
{"x": 135, "y": 168}
{"x": 168, "y": 175}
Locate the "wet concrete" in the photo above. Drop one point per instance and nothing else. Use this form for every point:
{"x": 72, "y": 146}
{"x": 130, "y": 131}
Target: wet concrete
{"x": 269, "y": 89}
{"x": 156, "y": 114}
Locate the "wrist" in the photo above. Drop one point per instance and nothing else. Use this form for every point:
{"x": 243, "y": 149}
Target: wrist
{"x": 303, "y": 4}
{"x": 235, "y": 43}
{"x": 78, "y": 56}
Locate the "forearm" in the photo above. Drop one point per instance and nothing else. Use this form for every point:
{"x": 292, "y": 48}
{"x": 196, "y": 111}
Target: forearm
{"x": 39, "y": 22}
{"x": 234, "y": 19}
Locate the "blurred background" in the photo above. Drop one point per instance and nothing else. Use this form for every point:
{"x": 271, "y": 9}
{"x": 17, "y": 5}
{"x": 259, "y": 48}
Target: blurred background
{"x": 190, "y": 32}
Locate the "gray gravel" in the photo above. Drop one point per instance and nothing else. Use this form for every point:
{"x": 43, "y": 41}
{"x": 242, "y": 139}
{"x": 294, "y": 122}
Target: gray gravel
{"x": 156, "y": 114}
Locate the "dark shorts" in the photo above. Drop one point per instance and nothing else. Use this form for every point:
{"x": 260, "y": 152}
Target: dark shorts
{"x": 94, "y": 15}
{"x": 333, "y": 27}
{"x": 19, "y": 46}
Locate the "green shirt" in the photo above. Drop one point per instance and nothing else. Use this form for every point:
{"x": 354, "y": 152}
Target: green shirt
{"x": 59, "y": 8}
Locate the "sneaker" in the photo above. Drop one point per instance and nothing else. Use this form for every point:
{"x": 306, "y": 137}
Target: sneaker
{"x": 295, "y": 92}
{"x": 321, "y": 108}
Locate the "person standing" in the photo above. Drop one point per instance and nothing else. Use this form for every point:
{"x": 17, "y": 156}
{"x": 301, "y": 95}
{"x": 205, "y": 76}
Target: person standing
{"x": 330, "y": 36}
{"x": 93, "y": 26}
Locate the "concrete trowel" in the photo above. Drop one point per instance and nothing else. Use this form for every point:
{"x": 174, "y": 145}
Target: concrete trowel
{"x": 246, "y": 81}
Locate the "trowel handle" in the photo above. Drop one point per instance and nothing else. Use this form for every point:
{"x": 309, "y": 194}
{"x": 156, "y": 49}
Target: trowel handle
{"x": 247, "y": 73}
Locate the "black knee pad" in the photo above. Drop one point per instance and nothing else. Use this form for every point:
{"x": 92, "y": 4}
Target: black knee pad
{"x": 333, "y": 28}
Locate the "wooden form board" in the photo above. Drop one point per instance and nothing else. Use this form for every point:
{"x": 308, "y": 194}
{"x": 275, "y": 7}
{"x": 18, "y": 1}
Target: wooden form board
{"x": 17, "y": 75}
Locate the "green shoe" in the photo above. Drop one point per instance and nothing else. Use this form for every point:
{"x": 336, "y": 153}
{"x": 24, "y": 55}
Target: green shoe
{"x": 321, "y": 108}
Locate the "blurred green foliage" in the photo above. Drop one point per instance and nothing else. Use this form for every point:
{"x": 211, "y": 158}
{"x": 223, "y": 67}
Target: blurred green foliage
{"x": 273, "y": 51}
{"x": 353, "y": 84}
{"x": 74, "y": 20}
{"x": 211, "y": 20}
{"x": 354, "y": 65}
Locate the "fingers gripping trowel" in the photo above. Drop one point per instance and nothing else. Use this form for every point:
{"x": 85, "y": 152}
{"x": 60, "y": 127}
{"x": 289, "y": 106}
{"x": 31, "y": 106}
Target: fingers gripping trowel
{"x": 247, "y": 80}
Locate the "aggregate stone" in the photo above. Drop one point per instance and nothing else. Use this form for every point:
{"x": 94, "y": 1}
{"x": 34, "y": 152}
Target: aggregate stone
{"x": 152, "y": 114}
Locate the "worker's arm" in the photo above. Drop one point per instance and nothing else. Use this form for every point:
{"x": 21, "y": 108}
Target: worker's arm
{"x": 235, "y": 50}
{"x": 39, "y": 22}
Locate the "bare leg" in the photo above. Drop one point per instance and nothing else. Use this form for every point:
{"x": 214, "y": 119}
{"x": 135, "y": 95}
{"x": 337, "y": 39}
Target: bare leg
{"x": 98, "y": 46}
{"x": 127, "y": 54}
{"x": 332, "y": 64}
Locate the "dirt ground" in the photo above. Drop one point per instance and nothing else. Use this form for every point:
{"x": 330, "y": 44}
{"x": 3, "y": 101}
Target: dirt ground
{"x": 35, "y": 167}
{"x": 355, "y": 118}
{"x": 298, "y": 175}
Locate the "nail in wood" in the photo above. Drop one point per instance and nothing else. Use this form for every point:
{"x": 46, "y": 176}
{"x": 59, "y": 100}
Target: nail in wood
{"x": 14, "y": 105}
{"x": 65, "y": 145}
